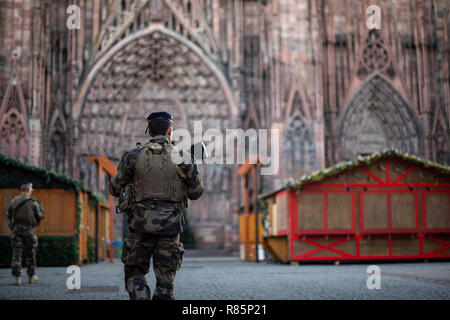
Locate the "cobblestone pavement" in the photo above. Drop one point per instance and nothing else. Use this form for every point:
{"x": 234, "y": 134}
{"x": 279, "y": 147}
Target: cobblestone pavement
{"x": 226, "y": 278}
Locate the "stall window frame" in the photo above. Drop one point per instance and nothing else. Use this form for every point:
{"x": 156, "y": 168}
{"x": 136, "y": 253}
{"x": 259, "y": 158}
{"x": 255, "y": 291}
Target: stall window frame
{"x": 389, "y": 229}
{"x": 325, "y": 230}
{"x": 424, "y": 211}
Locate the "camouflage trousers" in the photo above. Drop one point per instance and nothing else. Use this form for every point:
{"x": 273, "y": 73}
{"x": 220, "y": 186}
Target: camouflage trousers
{"x": 28, "y": 241}
{"x": 137, "y": 251}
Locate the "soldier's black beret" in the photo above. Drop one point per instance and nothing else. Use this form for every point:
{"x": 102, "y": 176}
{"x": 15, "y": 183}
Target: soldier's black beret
{"x": 160, "y": 115}
{"x": 24, "y": 183}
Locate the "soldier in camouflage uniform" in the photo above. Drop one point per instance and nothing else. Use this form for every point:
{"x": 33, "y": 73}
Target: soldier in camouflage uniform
{"x": 24, "y": 215}
{"x": 153, "y": 191}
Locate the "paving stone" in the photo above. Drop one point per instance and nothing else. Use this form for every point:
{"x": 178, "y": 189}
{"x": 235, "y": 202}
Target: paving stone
{"x": 227, "y": 278}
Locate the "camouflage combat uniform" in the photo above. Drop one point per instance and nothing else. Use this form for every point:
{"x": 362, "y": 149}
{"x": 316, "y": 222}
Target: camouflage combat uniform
{"x": 24, "y": 215}
{"x": 162, "y": 218}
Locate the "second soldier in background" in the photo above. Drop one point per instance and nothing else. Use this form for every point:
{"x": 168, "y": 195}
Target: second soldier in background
{"x": 24, "y": 215}
{"x": 153, "y": 192}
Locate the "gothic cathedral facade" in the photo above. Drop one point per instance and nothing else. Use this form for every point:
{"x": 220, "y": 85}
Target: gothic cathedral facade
{"x": 78, "y": 77}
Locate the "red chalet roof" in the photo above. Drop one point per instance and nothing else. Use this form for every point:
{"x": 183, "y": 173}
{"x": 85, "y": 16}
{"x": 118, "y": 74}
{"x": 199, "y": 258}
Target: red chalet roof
{"x": 339, "y": 167}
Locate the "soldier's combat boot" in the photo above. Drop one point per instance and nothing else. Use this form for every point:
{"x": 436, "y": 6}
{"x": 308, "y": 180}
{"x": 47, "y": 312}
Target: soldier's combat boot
{"x": 33, "y": 279}
{"x": 18, "y": 281}
{"x": 138, "y": 289}
{"x": 163, "y": 294}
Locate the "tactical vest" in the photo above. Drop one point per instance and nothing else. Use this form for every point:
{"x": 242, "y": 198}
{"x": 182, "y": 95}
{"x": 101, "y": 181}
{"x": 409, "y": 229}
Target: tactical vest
{"x": 156, "y": 176}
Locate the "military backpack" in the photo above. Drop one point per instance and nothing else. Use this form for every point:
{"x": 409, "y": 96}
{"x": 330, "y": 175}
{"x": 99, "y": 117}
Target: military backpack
{"x": 159, "y": 191}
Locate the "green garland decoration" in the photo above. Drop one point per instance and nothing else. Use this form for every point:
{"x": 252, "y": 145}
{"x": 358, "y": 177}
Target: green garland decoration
{"x": 319, "y": 175}
{"x": 94, "y": 198}
{"x": 90, "y": 249}
{"x": 14, "y": 172}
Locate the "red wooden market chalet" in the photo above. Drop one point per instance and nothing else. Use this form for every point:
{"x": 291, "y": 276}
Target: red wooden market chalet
{"x": 389, "y": 205}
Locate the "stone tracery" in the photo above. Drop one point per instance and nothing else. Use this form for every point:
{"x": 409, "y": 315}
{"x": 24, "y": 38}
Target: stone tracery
{"x": 375, "y": 57}
{"x": 378, "y": 106}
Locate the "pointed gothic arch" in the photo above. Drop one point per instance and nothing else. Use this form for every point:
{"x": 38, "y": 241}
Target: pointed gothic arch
{"x": 378, "y": 117}
{"x": 297, "y": 102}
{"x": 298, "y": 146}
{"x": 57, "y": 143}
{"x": 154, "y": 56}
{"x": 155, "y": 31}
{"x": 440, "y": 144}
{"x": 298, "y": 140}
{"x": 251, "y": 120}
{"x": 376, "y": 58}
{"x": 13, "y": 127}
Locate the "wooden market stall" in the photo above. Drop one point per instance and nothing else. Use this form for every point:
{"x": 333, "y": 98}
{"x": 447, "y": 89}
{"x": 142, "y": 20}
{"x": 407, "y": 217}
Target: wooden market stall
{"x": 77, "y": 222}
{"x": 385, "y": 206}
{"x": 94, "y": 228}
{"x": 104, "y": 208}
{"x": 59, "y": 231}
{"x": 251, "y": 229}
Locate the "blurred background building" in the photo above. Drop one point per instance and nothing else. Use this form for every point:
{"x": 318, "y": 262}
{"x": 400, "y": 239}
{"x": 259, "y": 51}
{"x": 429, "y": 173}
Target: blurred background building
{"x": 311, "y": 68}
